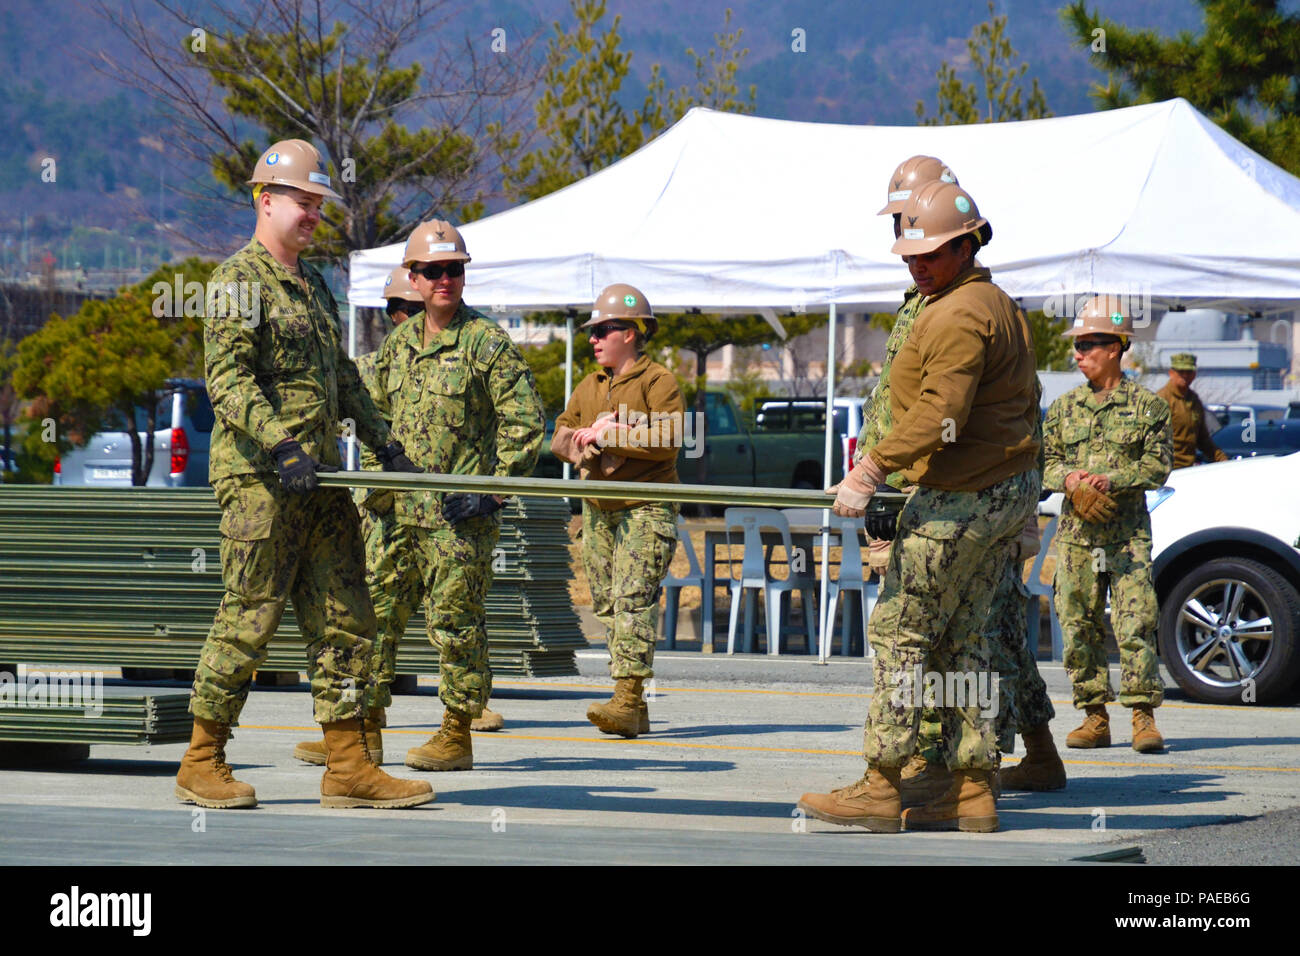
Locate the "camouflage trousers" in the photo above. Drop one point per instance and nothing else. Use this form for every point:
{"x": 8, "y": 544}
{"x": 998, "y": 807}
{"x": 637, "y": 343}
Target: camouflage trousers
{"x": 626, "y": 554}
{"x": 275, "y": 545}
{"x": 450, "y": 570}
{"x": 1023, "y": 700}
{"x": 1083, "y": 576}
{"x": 930, "y": 623}
{"x": 1022, "y": 694}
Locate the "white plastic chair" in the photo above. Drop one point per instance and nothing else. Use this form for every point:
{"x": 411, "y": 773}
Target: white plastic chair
{"x": 754, "y": 577}
{"x": 1038, "y": 590}
{"x": 673, "y": 586}
{"x": 851, "y": 579}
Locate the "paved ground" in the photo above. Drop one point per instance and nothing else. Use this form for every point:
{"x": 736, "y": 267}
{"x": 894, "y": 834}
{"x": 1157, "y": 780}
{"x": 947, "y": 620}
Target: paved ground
{"x": 734, "y": 743}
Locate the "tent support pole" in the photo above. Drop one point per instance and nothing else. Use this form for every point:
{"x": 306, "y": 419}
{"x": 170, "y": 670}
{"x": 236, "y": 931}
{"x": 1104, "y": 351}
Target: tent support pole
{"x": 823, "y": 642}
{"x": 354, "y": 452}
{"x": 568, "y": 371}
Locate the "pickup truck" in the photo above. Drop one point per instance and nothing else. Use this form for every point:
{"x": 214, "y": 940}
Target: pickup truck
{"x": 774, "y": 456}
{"x": 1247, "y": 431}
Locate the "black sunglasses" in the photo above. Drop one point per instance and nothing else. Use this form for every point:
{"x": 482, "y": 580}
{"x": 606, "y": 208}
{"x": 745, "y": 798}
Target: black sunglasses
{"x": 1086, "y": 347}
{"x": 433, "y": 271}
{"x": 600, "y": 331}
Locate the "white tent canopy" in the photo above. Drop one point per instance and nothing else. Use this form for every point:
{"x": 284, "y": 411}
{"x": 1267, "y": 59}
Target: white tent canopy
{"x": 728, "y": 212}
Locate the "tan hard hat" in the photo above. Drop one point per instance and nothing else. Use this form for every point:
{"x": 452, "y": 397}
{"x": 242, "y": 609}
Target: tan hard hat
{"x": 935, "y": 213}
{"x": 1102, "y": 315}
{"x": 435, "y": 241}
{"x": 621, "y": 302}
{"x": 296, "y": 163}
{"x": 910, "y": 175}
{"x": 398, "y": 286}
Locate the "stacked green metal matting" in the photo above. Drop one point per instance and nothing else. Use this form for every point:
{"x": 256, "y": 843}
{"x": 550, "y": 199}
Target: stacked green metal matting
{"x": 128, "y": 715}
{"x": 131, "y": 577}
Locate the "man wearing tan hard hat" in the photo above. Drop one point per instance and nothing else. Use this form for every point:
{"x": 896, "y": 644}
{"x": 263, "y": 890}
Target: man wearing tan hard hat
{"x": 462, "y": 398}
{"x": 280, "y": 382}
{"x": 378, "y": 525}
{"x": 1106, "y": 443}
{"x": 624, "y": 423}
{"x": 1187, "y": 414}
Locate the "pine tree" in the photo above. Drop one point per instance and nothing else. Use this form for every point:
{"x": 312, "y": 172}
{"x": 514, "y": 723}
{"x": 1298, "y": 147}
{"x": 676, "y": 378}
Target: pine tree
{"x": 1000, "y": 81}
{"x": 1241, "y": 71}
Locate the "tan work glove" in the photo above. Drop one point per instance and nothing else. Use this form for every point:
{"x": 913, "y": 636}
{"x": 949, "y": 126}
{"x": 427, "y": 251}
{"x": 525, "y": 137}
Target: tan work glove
{"x": 590, "y": 460}
{"x": 878, "y": 555}
{"x": 1093, "y": 506}
{"x": 1030, "y": 540}
{"x": 853, "y": 493}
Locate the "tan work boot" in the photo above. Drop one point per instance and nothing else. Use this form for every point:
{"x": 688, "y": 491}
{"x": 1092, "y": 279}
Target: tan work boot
{"x": 968, "y": 806}
{"x": 313, "y": 751}
{"x": 1093, "y": 732}
{"x": 924, "y": 781}
{"x": 487, "y": 722}
{"x": 1041, "y": 769}
{"x": 351, "y": 780}
{"x": 1146, "y": 739}
{"x": 626, "y": 713}
{"x": 874, "y": 802}
{"x": 449, "y": 749}
{"x": 205, "y": 778}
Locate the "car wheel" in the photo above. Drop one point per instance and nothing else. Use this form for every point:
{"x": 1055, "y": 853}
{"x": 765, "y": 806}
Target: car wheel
{"x": 1228, "y": 632}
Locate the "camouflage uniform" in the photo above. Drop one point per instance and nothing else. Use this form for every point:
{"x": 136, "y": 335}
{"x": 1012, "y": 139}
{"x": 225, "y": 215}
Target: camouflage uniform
{"x": 1125, "y": 436}
{"x": 876, "y": 416}
{"x": 626, "y": 554}
{"x": 463, "y": 403}
{"x": 965, "y": 539}
{"x": 277, "y": 374}
{"x": 381, "y": 533}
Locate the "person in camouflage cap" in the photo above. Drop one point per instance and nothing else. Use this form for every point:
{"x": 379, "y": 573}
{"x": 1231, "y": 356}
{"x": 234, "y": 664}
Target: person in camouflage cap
{"x": 1105, "y": 443}
{"x": 462, "y": 400}
{"x": 624, "y": 423}
{"x": 280, "y": 383}
{"x": 1187, "y": 416}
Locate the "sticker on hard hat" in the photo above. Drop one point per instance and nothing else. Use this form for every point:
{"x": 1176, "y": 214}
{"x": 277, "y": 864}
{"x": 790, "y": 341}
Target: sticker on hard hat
{"x": 320, "y": 178}
{"x": 1117, "y": 319}
{"x": 1078, "y": 323}
{"x": 900, "y": 195}
{"x": 947, "y": 177}
{"x": 442, "y": 247}
{"x": 962, "y": 204}
{"x": 272, "y": 159}
{"x": 913, "y": 233}
{"x": 595, "y": 313}
{"x": 629, "y": 300}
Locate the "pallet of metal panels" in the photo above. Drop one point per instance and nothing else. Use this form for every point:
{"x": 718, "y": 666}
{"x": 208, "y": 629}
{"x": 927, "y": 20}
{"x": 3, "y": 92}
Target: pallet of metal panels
{"x": 127, "y": 715}
{"x": 131, "y": 577}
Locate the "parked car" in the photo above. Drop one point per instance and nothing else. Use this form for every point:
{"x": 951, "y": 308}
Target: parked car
{"x": 1226, "y": 550}
{"x": 1246, "y": 431}
{"x": 809, "y": 414}
{"x": 180, "y": 442}
{"x": 735, "y": 455}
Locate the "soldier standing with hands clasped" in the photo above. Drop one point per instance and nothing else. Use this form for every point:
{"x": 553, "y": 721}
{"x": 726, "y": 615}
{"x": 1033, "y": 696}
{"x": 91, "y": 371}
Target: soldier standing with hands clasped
{"x": 1105, "y": 443}
{"x": 280, "y": 383}
{"x": 624, "y": 423}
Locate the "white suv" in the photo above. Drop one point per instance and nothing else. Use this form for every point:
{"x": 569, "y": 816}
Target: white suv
{"x": 1226, "y": 552}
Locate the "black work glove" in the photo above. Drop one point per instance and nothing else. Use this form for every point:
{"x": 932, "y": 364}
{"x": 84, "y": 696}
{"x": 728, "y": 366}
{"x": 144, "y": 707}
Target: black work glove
{"x": 393, "y": 457}
{"x": 297, "y": 468}
{"x": 882, "y": 524}
{"x": 458, "y": 506}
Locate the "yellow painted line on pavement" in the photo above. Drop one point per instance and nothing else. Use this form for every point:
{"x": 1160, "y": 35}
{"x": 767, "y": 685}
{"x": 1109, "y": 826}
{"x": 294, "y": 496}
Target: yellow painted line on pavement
{"x": 505, "y": 735}
{"x": 502, "y": 735}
